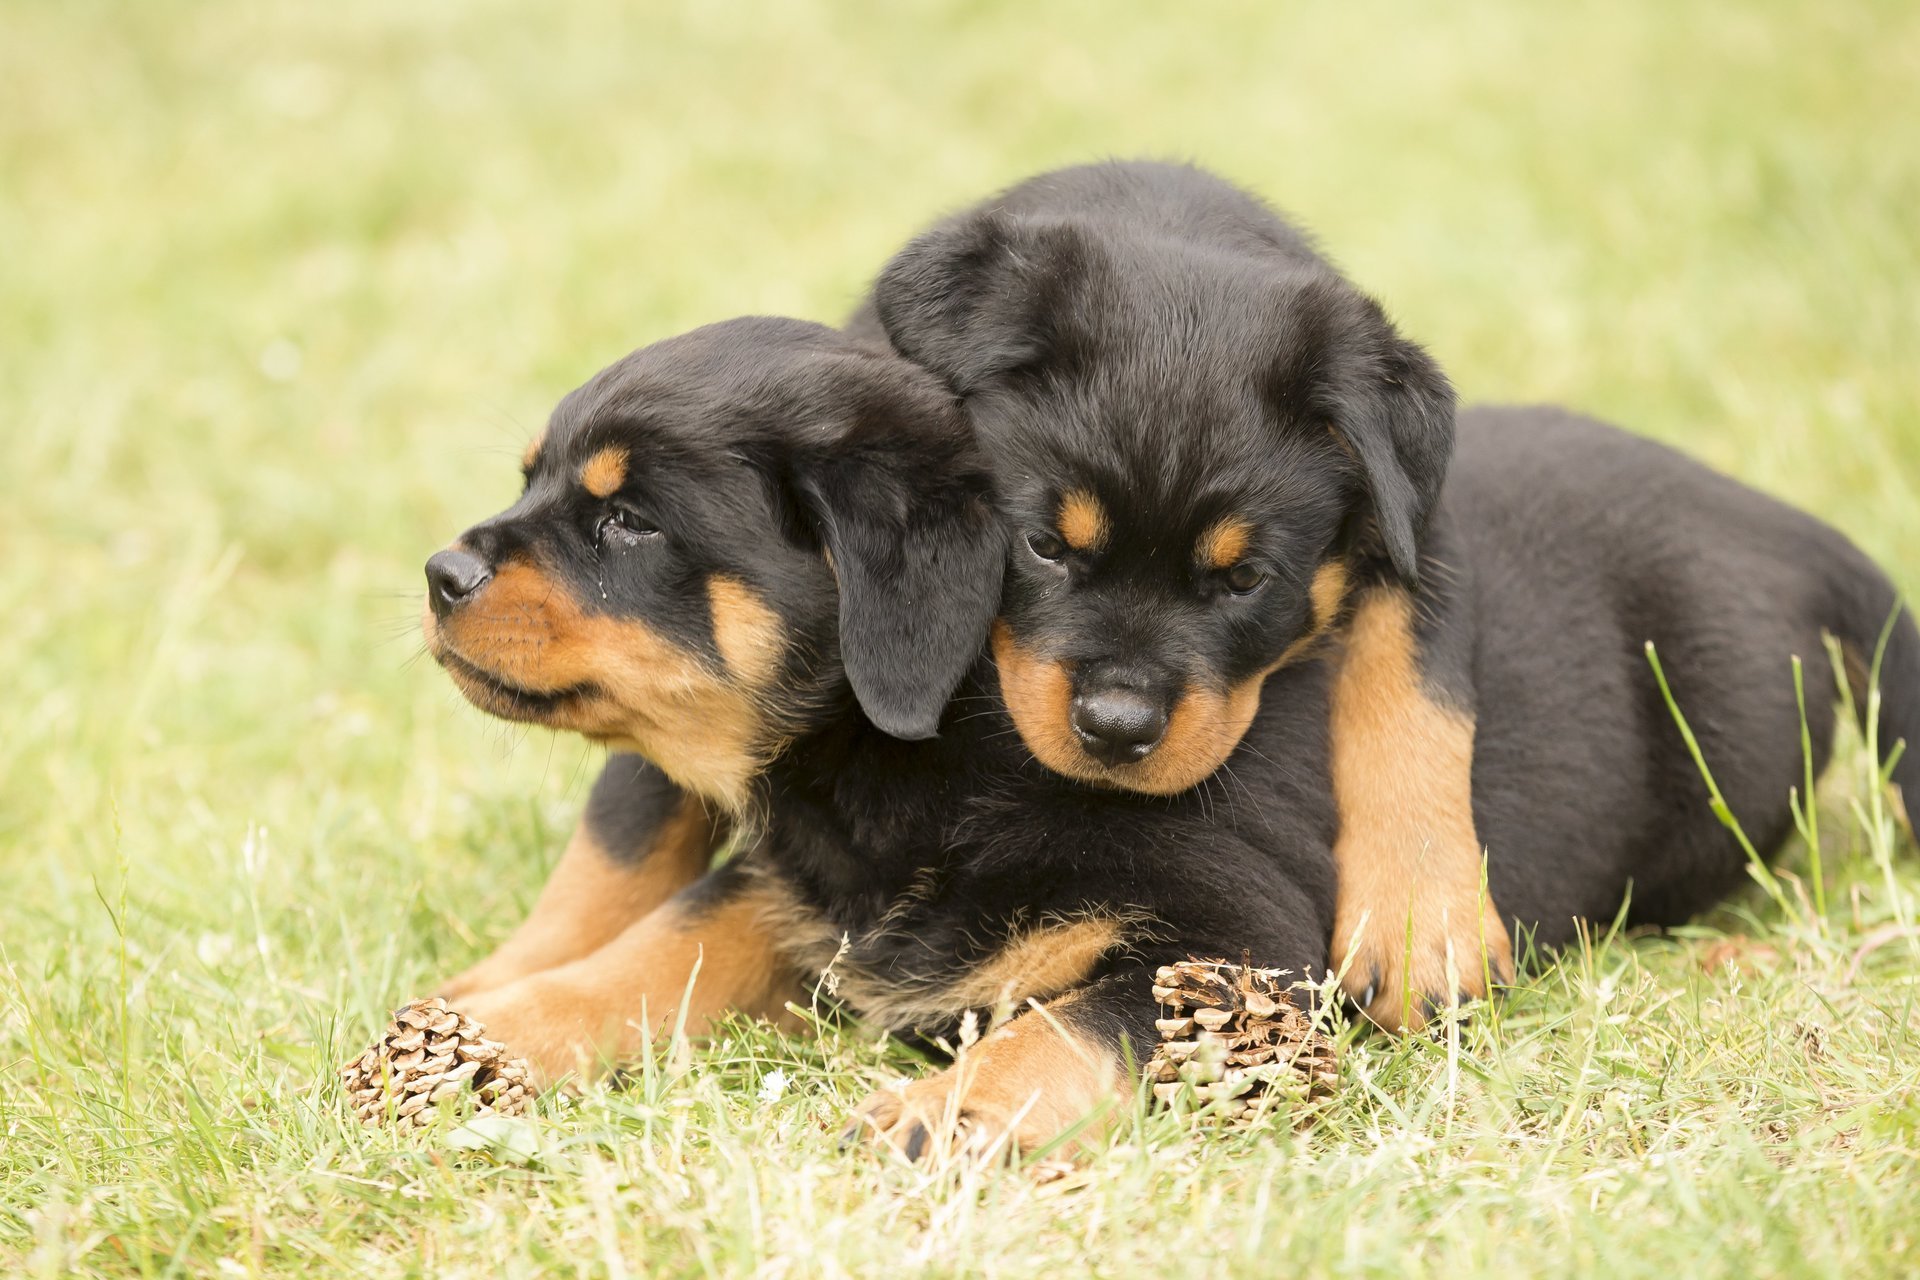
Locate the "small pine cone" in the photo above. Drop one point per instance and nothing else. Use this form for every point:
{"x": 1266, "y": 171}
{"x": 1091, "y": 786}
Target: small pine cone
{"x": 1230, "y": 1036}
{"x": 427, "y": 1055}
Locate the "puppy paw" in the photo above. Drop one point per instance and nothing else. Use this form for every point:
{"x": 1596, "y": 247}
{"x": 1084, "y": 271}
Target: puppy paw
{"x": 489, "y": 974}
{"x": 1401, "y": 983}
{"x": 556, "y": 1032}
{"x": 932, "y": 1120}
{"x": 1021, "y": 1087}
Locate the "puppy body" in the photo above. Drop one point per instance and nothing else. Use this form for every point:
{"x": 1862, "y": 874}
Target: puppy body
{"x": 1577, "y": 545}
{"x": 1155, "y": 361}
{"x": 1222, "y": 455}
{"x": 762, "y": 556}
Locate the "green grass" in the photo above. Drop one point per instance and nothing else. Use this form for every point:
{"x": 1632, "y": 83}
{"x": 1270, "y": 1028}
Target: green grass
{"x": 285, "y": 288}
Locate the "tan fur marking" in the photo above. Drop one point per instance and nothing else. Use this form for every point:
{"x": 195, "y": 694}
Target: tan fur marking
{"x": 747, "y": 633}
{"x": 1040, "y": 963}
{"x": 697, "y": 960}
{"x": 1082, "y": 521}
{"x": 620, "y": 681}
{"x": 605, "y": 471}
{"x": 1021, "y": 1086}
{"x": 531, "y": 453}
{"x": 1407, "y": 852}
{"x": 1202, "y": 731}
{"x": 594, "y": 893}
{"x": 1222, "y": 545}
{"x": 1328, "y": 593}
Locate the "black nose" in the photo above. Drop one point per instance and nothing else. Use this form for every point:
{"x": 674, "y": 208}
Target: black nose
{"x": 1118, "y": 726}
{"x": 453, "y": 576}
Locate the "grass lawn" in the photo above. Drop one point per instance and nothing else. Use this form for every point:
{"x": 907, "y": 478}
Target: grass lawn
{"x": 285, "y": 288}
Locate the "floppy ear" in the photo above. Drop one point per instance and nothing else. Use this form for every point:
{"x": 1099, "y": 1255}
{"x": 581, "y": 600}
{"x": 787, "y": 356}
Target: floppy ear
{"x": 905, "y": 508}
{"x": 1394, "y": 410}
{"x": 975, "y": 298}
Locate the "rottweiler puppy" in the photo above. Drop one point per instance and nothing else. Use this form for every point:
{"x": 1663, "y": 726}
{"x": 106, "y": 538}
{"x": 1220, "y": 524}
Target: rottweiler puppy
{"x": 760, "y": 561}
{"x": 1221, "y": 457}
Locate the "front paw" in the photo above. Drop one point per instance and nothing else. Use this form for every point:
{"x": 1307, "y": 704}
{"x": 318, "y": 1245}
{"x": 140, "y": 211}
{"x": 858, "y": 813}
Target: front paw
{"x": 1026, "y": 1084}
{"x": 1401, "y": 974}
{"x": 557, "y": 1033}
{"x": 931, "y": 1120}
{"x": 489, "y": 974}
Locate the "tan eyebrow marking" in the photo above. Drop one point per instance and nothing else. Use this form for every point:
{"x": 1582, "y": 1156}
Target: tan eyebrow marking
{"x": 1082, "y": 521}
{"x": 1222, "y": 545}
{"x": 605, "y": 471}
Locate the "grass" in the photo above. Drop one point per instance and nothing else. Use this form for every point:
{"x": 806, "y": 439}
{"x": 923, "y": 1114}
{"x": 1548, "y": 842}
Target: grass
{"x": 286, "y": 288}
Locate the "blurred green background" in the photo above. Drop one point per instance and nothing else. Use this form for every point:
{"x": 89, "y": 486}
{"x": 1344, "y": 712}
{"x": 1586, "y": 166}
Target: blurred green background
{"x": 285, "y": 288}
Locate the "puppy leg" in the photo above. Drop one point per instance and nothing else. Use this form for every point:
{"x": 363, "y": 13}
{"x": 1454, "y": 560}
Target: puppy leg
{"x": 711, "y": 949}
{"x": 1066, "y": 1065}
{"x": 1412, "y": 927}
{"x": 1023, "y": 1084}
{"x": 640, "y": 841}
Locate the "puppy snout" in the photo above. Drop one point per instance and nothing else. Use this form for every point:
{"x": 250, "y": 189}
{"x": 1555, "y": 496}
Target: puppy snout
{"x": 453, "y": 576}
{"x": 1118, "y": 726}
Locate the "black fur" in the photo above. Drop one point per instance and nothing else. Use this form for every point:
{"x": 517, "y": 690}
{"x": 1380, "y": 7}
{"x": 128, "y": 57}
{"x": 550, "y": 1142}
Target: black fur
{"x": 833, "y": 445}
{"x": 1577, "y": 544}
{"x": 753, "y": 444}
{"x": 629, "y": 801}
{"x": 1152, "y": 333}
{"x": 1555, "y": 550}
{"x": 917, "y": 558}
{"x": 1171, "y": 331}
{"x": 1152, "y": 336}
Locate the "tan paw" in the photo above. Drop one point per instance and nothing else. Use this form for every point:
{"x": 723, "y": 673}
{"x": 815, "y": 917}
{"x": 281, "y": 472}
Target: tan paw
{"x": 490, "y": 974}
{"x": 1026, "y": 1084}
{"x": 1402, "y": 975}
{"x": 539, "y": 1020}
{"x": 930, "y": 1120}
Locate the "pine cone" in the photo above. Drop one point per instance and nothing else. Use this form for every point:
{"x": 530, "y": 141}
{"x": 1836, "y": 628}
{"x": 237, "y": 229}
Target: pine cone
{"x": 1231, "y": 1035}
{"x": 428, "y": 1054}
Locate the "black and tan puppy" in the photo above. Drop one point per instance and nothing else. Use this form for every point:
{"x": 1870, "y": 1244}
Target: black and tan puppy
{"x": 762, "y": 556}
{"x": 1220, "y": 453}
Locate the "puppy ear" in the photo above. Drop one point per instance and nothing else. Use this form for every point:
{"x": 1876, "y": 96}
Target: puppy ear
{"x": 905, "y": 508}
{"x": 1394, "y": 410}
{"x": 976, "y": 298}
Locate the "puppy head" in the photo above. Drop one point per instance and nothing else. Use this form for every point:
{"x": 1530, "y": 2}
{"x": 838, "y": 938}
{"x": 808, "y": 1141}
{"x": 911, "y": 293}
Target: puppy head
{"x": 1196, "y": 452}
{"x": 721, "y": 536}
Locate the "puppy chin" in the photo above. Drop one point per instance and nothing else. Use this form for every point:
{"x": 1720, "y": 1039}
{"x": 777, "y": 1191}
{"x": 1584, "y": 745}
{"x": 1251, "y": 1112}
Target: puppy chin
{"x": 555, "y": 709}
{"x": 1152, "y": 776}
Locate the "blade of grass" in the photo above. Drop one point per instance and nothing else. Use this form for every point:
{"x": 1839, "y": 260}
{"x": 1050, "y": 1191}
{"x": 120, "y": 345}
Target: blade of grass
{"x": 1806, "y": 805}
{"x": 1756, "y": 865}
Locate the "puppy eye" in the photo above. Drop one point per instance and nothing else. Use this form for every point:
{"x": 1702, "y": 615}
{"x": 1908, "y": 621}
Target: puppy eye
{"x": 623, "y": 528}
{"x": 1244, "y": 579}
{"x": 1046, "y": 546}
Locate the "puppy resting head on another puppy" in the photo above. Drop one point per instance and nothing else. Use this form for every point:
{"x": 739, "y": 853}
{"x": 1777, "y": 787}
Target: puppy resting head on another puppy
{"x": 1201, "y": 433}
